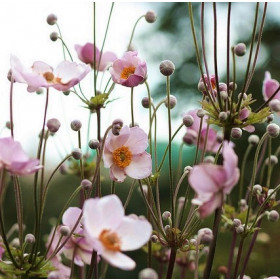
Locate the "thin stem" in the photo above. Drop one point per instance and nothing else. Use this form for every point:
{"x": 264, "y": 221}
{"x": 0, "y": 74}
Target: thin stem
{"x": 93, "y": 272}
{"x": 228, "y": 45}
{"x": 133, "y": 30}
{"x": 11, "y": 107}
{"x": 268, "y": 100}
{"x": 131, "y": 107}
{"x": 171, "y": 263}
{"x": 231, "y": 254}
{"x": 94, "y": 50}
{"x": 238, "y": 258}
{"x": 269, "y": 167}
{"x": 60, "y": 35}
{"x": 113, "y": 187}
{"x": 131, "y": 189}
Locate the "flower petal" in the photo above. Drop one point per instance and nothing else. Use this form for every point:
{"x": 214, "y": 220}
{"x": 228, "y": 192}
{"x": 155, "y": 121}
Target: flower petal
{"x": 71, "y": 216}
{"x": 114, "y": 142}
{"x": 117, "y": 173}
{"x": 137, "y": 141}
{"x": 119, "y": 260}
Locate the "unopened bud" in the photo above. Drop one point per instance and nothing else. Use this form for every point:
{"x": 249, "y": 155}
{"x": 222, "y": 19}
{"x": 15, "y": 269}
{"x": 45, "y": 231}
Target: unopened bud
{"x": 224, "y": 95}
{"x": 148, "y": 273}
{"x": 274, "y": 105}
{"x": 232, "y": 86}
{"x": 167, "y": 68}
{"x": 146, "y": 102}
{"x": 54, "y": 36}
{"x": 188, "y": 120}
{"x": 86, "y": 184}
{"x": 273, "y": 130}
{"x": 271, "y": 191}
{"x": 63, "y": 169}
{"x": 223, "y": 116}
{"x": 15, "y": 243}
{"x": 167, "y": 228}
{"x": 223, "y": 270}
{"x": 209, "y": 159}
{"x": 166, "y": 215}
{"x": 77, "y": 153}
{"x": 8, "y": 125}
{"x": 240, "y": 49}
{"x": 51, "y": 19}
{"x": 189, "y": 138}
{"x": 201, "y": 87}
{"x": 154, "y": 238}
{"x": 236, "y": 222}
{"x": 172, "y": 101}
{"x": 257, "y": 189}
{"x": 273, "y": 160}
{"x": 150, "y": 16}
{"x": 76, "y": 125}
{"x": 53, "y": 125}
{"x": 253, "y": 139}
{"x": 244, "y": 95}
{"x": 273, "y": 216}
{"x": 200, "y": 113}
{"x": 222, "y": 87}
{"x": 270, "y": 118}
{"x": 206, "y": 235}
{"x": 30, "y": 238}
{"x": 239, "y": 229}
{"x": 64, "y": 230}
{"x": 243, "y": 202}
{"x": 93, "y": 144}
{"x": 236, "y": 133}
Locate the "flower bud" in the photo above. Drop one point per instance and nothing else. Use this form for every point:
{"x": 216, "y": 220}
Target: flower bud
{"x": 51, "y": 19}
{"x": 201, "y": 87}
{"x": 240, "y": 49}
{"x": 232, "y": 86}
{"x": 206, "y": 235}
{"x": 236, "y": 222}
{"x": 273, "y": 216}
{"x": 273, "y": 160}
{"x": 63, "y": 169}
{"x": 146, "y": 102}
{"x": 9, "y": 75}
{"x": 76, "y": 125}
{"x": 273, "y": 130}
{"x": 172, "y": 101}
{"x": 200, "y": 113}
{"x": 154, "y": 238}
{"x": 150, "y": 16}
{"x": 188, "y": 120}
{"x": 189, "y": 138}
{"x": 257, "y": 189}
{"x": 222, "y": 87}
{"x": 274, "y": 105}
{"x": 54, "y": 36}
{"x": 86, "y": 184}
{"x": 116, "y": 129}
{"x": 193, "y": 242}
{"x": 15, "y": 243}
{"x": 29, "y": 238}
{"x": 166, "y": 215}
{"x": 223, "y": 270}
{"x": 209, "y": 159}
{"x": 270, "y": 118}
{"x": 269, "y": 192}
{"x": 187, "y": 169}
{"x": 64, "y": 230}
{"x": 77, "y": 153}
{"x": 236, "y": 133}
{"x": 239, "y": 229}
{"x": 167, "y": 68}
{"x": 223, "y": 116}
{"x": 243, "y": 202}
{"x": 53, "y": 125}
{"x": 8, "y": 125}
{"x": 118, "y": 121}
{"x": 167, "y": 228}
{"x": 253, "y": 139}
{"x": 244, "y": 95}
{"x": 224, "y": 95}
{"x": 93, "y": 144}
{"x": 148, "y": 273}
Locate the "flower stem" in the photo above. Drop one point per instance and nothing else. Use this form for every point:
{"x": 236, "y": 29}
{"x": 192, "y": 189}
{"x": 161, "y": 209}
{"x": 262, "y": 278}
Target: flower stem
{"x": 171, "y": 263}
{"x": 11, "y": 107}
{"x": 231, "y": 254}
{"x": 131, "y": 107}
{"x": 133, "y": 30}
{"x": 238, "y": 257}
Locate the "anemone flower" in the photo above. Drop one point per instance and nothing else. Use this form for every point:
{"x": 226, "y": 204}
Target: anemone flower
{"x": 269, "y": 87}
{"x": 111, "y": 232}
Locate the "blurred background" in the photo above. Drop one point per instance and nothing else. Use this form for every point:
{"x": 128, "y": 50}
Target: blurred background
{"x": 25, "y": 33}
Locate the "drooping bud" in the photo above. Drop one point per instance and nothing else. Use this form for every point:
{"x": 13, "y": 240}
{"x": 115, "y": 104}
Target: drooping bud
{"x": 166, "y": 215}
{"x": 51, "y": 19}
{"x": 187, "y": 169}
{"x": 29, "y": 238}
{"x": 86, "y": 184}
{"x": 167, "y": 68}
{"x": 77, "y": 153}
{"x": 64, "y": 230}
{"x": 273, "y": 216}
{"x": 240, "y": 49}
{"x": 200, "y": 113}
{"x": 53, "y": 125}
{"x": 253, "y": 139}
{"x": 93, "y": 144}
{"x": 236, "y": 133}
{"x": 273, "y": 130}
{"x": 222, "y": 87}
{"x": 232, "y": 86}
{"x": 273, "y": 160}
{"x": 148, "y": 273}
{"x": 146, "y": 102}
{"x": 76, "y": 125}
{"x": 54, "y": 36}
{"x": 150, "y": 16}
{"x": 223, "y": 116}
{"x": 188, "y": 120}
{"x": 257, "y": 189}
{"x": 274, "y": 105}
{"x": 172, "y": 102}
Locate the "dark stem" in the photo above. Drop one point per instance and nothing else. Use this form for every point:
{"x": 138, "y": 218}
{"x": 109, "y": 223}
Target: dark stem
{"x": 171, "y": 263}
{"x": 93, "y": 271}
{"x": 238, "y": 257}
{"x": 268, "y": 100}
{"x": 231, "y": 254}
{"x": 228, "y": 45}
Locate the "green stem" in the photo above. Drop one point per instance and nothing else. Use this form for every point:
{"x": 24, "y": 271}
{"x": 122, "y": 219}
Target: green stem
{"x": 269, "y": 167}
{"x": 131, "y": 107}
{"x": 171, "y": 263}
{"x": 133, "y": 30}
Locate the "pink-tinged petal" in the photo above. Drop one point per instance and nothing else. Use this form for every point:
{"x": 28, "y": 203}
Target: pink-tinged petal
{"x": 34, "y": 81}
{"x": 107, "y": 158}
{"x": 207, "y": 178}
{"x": 114, "y": 142}
{"x": 133, "y": 81}
{"x": 87, "y": 53}
{"x": 104, "y": 213}
{"x": 17, "y": 69}
{"x": 212, "y": 144}
{"x": 270, "y": 86}
{"x": 231, "y": 181}
{"x": 249, "y": 128}
{"x": 25, "y": 168}
{"x": 137, "y": 141}
{"x": 62, "y": 271}
{"x": 196, "y": 124}
{"x": 230, "y": 159}
{"x": 71, "y": 216}
{"x": 40, "y": 67}
{"x": 117, "y": 173}
{"x": 133, "y": 233}
{"x": 118, "y": 259}
{"x": 244, "y": 114}
{"x": 140, "y": 166}
{"x": 106, "y": 59}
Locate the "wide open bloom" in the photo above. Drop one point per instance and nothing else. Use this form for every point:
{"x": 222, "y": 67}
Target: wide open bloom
{"x": 269, "y": 87}
{"x": 129, "y": 71}
{"x": 14, "y": 159}
{"x": 86, "y": 55}
{"x": 111, "y": 232}
{"x": 125, "y": 154}
{"x": 212, "y": 182}
{"x": 191, "y": 136}
{"x": 63, "y": 77}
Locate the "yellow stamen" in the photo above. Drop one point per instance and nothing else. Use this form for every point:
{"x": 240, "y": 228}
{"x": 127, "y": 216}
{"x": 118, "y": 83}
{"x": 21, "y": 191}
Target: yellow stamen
{"x": 122, "y": 157}
{"x": 49, "y": 76}
{"x": 110, "y": 240}
{"x": 127, "y": 71}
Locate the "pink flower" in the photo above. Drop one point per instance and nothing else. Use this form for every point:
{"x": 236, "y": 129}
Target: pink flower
{"x": 191, "y": 136}
{"x": 86, "y": 55}
{"x": 129, "y": 71}
{"x": 14, "y": 159}
{"x": 212, "y": 182}
{"x": 125, "y": 154}
{"x": 269, "y": 87}
{"x": 63, "y": 77}
{"x": 62, "y": 271}
{"x": 243, "y": 115}
{"x": 111, "y": 232}
{"x": 210, "y": 84}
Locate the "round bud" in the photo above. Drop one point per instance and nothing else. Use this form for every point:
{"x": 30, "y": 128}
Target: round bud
{"x": 76, "y": 125}
{"x": 209, "y": 159}
{"x": 243, "y": 202}
{"x": 273, "y": 130}
{"x": 253, "y": 139}
{"x": 224, "y": 95}
{"x": 8, "y": 125}
{"x": 150, "y": 16}
{"x": 239, "y": 229}
{"x": 118, "y": 121}
{"x": 116, "y": 129}
{"x": 167, "y": 228}
{"x": 244, "y": 95}
{"x": 223, "y": 116}
{"x": 172, "y": 101}
{"x": 270, "y": 118}
{"x": 54, "y": 36}
{"x": 257, "y": 189}
{"x": 77, "y": 153}
{"x": 86, "y": 184}
{"x": 201, "y": 87}
{"x": 236, "y": 133}
{"x": 271, "y": 191}
{"x": 166, "y": 68}
{"x": 222, "y": 87}
{"x": 206, "y": 235}
{"x": 273, "y": 160}
{"x": 193, "y": 242}
{"x": 63, "y": 169}
{"x": 15, "y": 243}
{"x": 53, "y": 125}
{"x": 223, "y": 269}
{"x": 148, "y": 273}
{"x": 29, "y": 238}
{"x": 146, "y": 102}
{"x": 154, "y": 238}
{"x": 51, "y": 19}
{"x": 187, "y": 169}
{"x": 64, "y": 230}
{"x": 66, "y": 93}
{"x": 200, "y": 113}
{"x": 274, "y": 105}
{"x": 236, "y": 222}
{"x": 273, "y": 216}
{"x": 232, "y": 86}
{"x": 166, "y": 215}
{"x": 189, "y": 138}
{"x": 9, "y": 75}
{"x": 93, "y": 144}
{"x": 188, "y": 120}
{"x": 240, "y": 49}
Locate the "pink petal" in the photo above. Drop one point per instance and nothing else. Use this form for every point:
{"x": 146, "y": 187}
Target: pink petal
{"x": 137, "y": 141}
{"x": 40, "y": 67}
{"x": 117, "y": 173}
{"x": 133, "y": 81}
{"x": 107, "y": 158}
{"x": 249, "y": 128}
{"x": 106, "y": 59}
{"x": 118, "y": 259}
{"x": 24, "y": 168}
{"x": 71, "y": 216}
{"x": 140, "y": 166}
{"x": 114, "y": 142}
{"x": 270, "y": 86}
{"x": 134, "y": 233}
